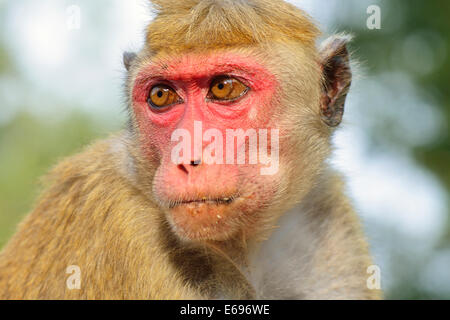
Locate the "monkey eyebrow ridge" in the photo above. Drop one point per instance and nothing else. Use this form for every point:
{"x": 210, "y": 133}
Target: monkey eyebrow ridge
{"x": 197, "y": 67}
{"x": 192, "y": 63}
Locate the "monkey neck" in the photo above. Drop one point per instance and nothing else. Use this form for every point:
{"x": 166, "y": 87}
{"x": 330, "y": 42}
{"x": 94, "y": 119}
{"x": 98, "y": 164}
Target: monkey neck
{"x": 232, "y": 268}
{"x": 253, "y": 257}
{"x": 235, "y": 251}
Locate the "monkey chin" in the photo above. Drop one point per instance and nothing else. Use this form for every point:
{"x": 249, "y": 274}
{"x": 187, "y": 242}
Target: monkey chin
{"x": 203, "y": 220}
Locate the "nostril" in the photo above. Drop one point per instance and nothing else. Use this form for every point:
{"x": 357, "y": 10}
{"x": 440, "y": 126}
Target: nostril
{"x": 182, "y": 168}
{"x": 185, "y": 168}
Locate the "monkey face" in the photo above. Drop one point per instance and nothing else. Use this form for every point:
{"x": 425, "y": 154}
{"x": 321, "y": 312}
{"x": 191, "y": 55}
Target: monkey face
{"x": 205, "y": 123}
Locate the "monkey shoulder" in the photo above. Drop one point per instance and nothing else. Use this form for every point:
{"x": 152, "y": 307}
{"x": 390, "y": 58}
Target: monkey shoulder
{"x": 88, "y": 216}
{"x": 313, "y": 239}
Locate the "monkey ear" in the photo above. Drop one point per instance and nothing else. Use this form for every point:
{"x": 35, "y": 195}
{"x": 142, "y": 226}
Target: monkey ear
{"x": 337, "y": 78}
{"x": 128, "y": 58}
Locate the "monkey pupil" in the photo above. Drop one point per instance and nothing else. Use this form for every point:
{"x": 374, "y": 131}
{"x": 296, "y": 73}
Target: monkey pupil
{"x": 159, "y": 94}
{"x": 221, "y": 86}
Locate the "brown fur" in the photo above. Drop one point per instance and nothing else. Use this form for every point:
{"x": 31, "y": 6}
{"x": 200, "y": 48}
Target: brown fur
{"x": 98, "y": 212}
{"x": 207, "y": 24}
{"x": 90, "y": 216}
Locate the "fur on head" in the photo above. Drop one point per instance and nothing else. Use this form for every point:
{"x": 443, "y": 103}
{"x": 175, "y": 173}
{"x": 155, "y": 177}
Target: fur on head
{"x": 200, "y": 24}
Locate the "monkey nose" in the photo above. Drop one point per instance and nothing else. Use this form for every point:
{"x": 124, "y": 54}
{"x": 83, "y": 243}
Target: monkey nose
{"x": 187, "y": 168}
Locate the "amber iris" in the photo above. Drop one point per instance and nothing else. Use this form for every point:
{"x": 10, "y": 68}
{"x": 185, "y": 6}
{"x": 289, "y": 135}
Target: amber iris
{"x": 226, "y": 89}
{"x": 162, "y": 96}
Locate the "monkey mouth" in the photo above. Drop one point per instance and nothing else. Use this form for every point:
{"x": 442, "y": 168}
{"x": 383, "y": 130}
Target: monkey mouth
{"x": 214, "y": 217}
{"x": 204, "y": 200}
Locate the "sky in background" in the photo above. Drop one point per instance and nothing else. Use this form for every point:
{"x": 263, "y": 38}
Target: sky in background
{"x": 85, "y": 65}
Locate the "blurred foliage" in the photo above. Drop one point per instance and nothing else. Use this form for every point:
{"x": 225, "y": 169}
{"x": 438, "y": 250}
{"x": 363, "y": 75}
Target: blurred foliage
{"x": 28, "y": 148}
{"x": 379, "y": 51}
{"x": 30, "y": 145}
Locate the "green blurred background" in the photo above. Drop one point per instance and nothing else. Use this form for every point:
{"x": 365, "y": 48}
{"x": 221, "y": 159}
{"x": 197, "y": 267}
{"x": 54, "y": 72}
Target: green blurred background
{"x": 61, "y": 88}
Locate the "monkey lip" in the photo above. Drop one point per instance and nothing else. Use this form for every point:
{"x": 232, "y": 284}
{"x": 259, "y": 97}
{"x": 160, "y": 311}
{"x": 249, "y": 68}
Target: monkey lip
{"x": 204, "y": 200}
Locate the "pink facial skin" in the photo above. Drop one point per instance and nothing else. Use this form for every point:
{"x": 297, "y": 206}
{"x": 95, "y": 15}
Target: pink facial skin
{"x": 190, "y": 76}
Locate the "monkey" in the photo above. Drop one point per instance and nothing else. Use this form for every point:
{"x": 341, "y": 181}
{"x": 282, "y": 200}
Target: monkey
{"x": 143, "y": 214}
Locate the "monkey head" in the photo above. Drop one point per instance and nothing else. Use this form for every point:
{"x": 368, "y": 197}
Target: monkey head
{"x": 231, "y": 127}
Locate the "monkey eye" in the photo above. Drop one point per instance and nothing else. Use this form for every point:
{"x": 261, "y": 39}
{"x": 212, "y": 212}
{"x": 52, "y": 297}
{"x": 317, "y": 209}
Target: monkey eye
{"x": 225, "y": 88}
{"x": 161, "y": 96}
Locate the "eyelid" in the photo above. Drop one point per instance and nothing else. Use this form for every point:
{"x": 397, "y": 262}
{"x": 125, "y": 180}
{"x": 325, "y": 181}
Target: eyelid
{"x": 231, "y": 75}
{"x": 153, "y": 82}
{"x": 166, "y": 84}
{"x": 227, "y": 76}
{"x": 243, "y": 94}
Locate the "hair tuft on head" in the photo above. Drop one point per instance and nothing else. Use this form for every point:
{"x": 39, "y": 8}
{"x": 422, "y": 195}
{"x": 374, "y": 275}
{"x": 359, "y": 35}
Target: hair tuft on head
{"x": 190, "y": 24}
